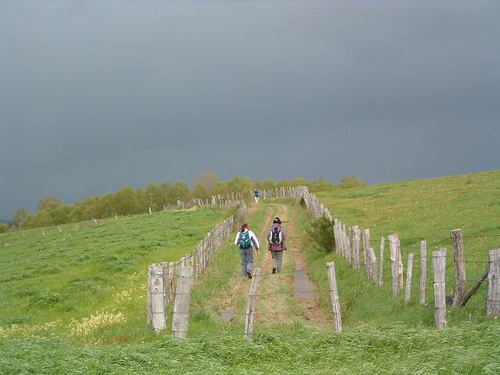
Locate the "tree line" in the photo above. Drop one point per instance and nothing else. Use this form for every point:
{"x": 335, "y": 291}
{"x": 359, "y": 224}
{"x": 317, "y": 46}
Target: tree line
{"x": 165, "y": 195}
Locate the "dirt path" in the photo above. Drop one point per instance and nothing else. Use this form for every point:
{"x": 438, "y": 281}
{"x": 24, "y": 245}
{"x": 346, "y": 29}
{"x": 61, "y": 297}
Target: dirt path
{"x": 284, "y": 297}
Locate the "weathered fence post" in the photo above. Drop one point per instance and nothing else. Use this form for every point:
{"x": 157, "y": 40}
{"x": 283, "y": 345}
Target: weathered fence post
{"x": 354, "y": 244}
{"x": 149, "y": 318}
{"x": 170, "y": 282}
{"x": 423, "y": 271}
{"x": 334, "y": 297}
{"x": 394, "y": 256}
{"x": 439, "y": 267}
{"x": 336, "y": 235}
{"x": 157, "y": 307}
{"x": 366, "y": 259}
{"x": 373, "y": 264}
{"x": 347, "y": 247}
{"x": 249, "y": 318}
{"x": 459, "y": 260}
{"x": 493, "y": 284}
{"x": 409, "y": 271}
{"x": 381, "y": 271}
{"x": 180, "y": 313}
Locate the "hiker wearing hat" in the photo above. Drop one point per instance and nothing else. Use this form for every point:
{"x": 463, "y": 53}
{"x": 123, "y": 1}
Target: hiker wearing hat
{"x": 276, "y": 238}
{"x": 246, "y": 240}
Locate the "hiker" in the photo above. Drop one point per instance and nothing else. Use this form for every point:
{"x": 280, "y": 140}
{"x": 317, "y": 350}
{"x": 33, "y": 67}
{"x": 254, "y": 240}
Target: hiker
{"x": 276, "y": 238}
{"x": 246, "y": 241}
{"x": 256, "y": 195}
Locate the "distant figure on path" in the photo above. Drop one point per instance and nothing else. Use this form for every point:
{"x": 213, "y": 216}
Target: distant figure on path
{"x": 246, "y": 240}
{"x": 256, "y": 195}
{"x": 276, "y": 238}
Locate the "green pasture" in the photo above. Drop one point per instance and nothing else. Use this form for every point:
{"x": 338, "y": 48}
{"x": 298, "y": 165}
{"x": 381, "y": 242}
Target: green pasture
{"x": 416, "y": 211}
{"x": 74, "y": 302}
{"x": 73, "y": 281}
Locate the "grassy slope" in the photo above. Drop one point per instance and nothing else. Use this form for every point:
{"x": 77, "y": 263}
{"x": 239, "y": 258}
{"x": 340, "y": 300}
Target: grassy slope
{"x": 422, "y": 210}
{"x": 96, "y": 273}
{"x": 382, "y": 335}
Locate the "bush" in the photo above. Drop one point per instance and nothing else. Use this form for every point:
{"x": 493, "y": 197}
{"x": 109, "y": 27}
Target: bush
{"x": 321, "y": 231}
{"x": 351, "y": 182}
{"x": 4, "y": 227}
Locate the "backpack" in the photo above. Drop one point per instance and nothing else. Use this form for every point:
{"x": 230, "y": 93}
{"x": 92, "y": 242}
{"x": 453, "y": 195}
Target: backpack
{"x": 276, "y": 237}
{"x": 244, "y": 241}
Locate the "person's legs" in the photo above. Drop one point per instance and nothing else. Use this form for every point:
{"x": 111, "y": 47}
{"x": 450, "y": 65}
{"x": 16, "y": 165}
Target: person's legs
{"x": 243, "y": 262}
{"x": 246, "y": 260}
{"x": 249, "y": 259}
{"x": 279, "y": 258}
{"x": 274, "y": 255}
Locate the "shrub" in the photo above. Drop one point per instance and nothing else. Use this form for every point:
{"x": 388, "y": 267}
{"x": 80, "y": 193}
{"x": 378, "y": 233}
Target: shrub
{"x": 350, "y": 182}
{"x": 321, "y": 231}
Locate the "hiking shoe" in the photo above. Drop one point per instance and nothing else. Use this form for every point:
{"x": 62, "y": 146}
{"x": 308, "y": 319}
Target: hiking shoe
{"x": 249, "y": 274}
{"x": 274, "y": 270}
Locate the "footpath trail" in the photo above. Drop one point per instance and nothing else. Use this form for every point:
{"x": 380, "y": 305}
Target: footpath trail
{"x": 285, "y": 297}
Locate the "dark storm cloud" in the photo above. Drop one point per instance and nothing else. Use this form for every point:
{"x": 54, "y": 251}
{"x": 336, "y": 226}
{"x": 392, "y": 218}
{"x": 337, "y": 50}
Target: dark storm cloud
{"x": 95, "y": 96}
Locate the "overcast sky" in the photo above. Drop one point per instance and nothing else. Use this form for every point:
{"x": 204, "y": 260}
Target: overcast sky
{"x": 99, "y": 95}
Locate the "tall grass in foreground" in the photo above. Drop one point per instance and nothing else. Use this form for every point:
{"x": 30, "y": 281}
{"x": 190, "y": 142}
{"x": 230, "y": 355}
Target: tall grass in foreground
{"x": 468, "y": 349}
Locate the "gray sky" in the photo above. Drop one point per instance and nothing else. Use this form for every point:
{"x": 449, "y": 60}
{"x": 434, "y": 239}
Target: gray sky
{"x": 99, "y": 95}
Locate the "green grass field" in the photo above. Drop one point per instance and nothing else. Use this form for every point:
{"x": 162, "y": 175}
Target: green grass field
{"x": 74, "y": 302}
{"x": 81, "y": 280}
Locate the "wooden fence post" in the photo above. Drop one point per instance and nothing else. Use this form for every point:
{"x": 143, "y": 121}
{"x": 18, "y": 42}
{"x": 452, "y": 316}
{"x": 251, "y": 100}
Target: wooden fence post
{"x": 366, "y": 259}
{"x": 393, "y": 247}
{"x": 409, "y": 271}
{"x": 459, "y": 261}
{"x": 180, "y": 313}
{"x": 423, "y": 271}
{"x": 157, "y": 307}
{"x": 373, "y": 264}
{"x": 336, "y": 235}
{"x": 334, "y": 297}
{"x": 170, "y": 282}
{"x": 439, "y": 267}
{"x": 381, "y": 271}
{"x": 354, "y": 244}
{"x": 149, "y": 318}
{"x": 249, "y": 318}
{"x": 493, "y": 284}
{"x": 346, "y": 244}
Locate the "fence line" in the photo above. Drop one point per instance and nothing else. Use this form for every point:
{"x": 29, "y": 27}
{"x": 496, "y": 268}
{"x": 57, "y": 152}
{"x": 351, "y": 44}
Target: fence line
{"x": 199, "y": 259}
{"x": 347, "y": 245}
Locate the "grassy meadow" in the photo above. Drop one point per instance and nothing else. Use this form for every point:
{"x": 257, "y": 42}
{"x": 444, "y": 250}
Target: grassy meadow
{"x": 74, "y": 282}
{"x": 416, "y": 211}
{"x": 74, "y": 302}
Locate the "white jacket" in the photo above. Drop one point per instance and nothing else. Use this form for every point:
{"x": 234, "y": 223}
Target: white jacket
{"x": 253, "y": 238}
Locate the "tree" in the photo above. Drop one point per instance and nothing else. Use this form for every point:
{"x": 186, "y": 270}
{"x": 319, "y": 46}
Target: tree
{"x": 48, "y": 202}
{"x": 266, "y": 184}
{"x": 4, "y": 227}
{"x": 125, "y": 201}
{"x": 179, "y": 192}
{"x": 320, "y": 185}
{"x": 350, "y": 182}
{"x": 298, "y": 181}
{"x": 204, "y": 186}
{"x": 19, "y": 217}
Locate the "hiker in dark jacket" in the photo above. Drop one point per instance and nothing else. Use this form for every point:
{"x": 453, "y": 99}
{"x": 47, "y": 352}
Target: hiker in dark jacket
{"x": 276, "y": 238}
